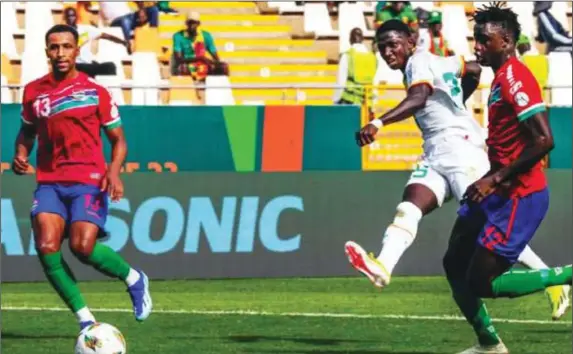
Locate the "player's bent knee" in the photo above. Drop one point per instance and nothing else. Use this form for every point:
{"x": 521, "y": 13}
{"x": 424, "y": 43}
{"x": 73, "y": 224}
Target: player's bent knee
{"x": 47, "y": 247}
{"x": 81, "y": 250}
{"x": 47, "y": 241}
{"x": 83, "y": 237}
{"x": 407, "y": 218}
{"x": 48, "y": 233}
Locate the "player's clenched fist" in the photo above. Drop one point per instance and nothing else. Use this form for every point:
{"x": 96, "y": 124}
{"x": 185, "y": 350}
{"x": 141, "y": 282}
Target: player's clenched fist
{"x": 367, "y": 135}
{"x": 20, "y": 165}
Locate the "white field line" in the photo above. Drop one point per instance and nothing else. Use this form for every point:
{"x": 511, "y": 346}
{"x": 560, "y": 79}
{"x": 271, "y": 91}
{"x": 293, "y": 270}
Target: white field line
{"x": 291, "y": 314}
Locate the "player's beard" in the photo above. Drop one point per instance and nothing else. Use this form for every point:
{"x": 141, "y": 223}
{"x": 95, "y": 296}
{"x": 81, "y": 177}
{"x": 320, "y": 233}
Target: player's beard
{"x": 62, "y": 67}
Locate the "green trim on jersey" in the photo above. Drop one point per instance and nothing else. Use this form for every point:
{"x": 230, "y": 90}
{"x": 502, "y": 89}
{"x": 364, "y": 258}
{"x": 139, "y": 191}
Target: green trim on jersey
{"x": 113, "y": 125}
{"x": 525, "y": 115}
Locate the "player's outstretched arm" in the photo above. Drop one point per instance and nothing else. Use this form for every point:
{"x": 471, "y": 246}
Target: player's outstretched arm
{"x": 414, "y": 101}
{"x": 470, "y": 79}
{"x": 541, "y": 143}
{"x": 23, "y": 147}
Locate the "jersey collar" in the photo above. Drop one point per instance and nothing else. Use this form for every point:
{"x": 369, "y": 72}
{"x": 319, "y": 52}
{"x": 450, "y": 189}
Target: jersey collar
{"x": 81, "y": 77}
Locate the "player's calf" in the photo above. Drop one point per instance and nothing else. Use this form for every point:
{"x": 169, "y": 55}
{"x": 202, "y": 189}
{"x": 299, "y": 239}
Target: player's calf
{"x": 107, "y": 261}
{"x": 48, "y": 231}
{"x": 400, "y": 235}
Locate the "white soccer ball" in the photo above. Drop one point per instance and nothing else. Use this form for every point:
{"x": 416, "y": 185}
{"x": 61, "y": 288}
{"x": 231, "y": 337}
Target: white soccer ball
{"x": 101, "y": 338}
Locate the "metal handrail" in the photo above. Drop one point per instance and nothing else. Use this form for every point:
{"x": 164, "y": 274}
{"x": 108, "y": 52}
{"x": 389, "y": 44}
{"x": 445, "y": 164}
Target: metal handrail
{"x": 261, "y": 87}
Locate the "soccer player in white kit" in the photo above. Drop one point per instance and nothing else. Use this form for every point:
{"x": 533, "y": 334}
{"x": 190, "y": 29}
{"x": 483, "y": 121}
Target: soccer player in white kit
{"x": 454, "y": 150}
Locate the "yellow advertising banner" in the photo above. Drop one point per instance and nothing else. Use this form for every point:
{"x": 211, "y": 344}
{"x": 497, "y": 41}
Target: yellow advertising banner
{"x": 397, "y": 147}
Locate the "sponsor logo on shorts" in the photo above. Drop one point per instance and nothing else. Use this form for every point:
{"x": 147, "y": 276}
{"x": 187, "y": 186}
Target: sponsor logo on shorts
{"x": 34, "y": 204}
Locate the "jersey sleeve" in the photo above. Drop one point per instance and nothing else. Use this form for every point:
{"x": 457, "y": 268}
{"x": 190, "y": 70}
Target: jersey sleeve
{"x": 27, "y": 111}
{"x": 521, "y": 90}
{"x": 456, "y": 64}
{"x": 108, "y": 112}
{"x": 418, "y": 72}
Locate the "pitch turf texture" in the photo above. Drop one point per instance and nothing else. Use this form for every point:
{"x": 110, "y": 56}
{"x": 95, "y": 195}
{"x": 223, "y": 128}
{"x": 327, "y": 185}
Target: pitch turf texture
{"x": 335, "y": 315}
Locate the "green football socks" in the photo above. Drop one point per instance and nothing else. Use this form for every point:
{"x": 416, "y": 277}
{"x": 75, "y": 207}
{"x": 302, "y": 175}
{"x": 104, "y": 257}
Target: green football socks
{"x": 518, "y": 283}
{"x": 109, "y": 262}
{"x": 475, "y": 312}
{"x": 62, "y": 280}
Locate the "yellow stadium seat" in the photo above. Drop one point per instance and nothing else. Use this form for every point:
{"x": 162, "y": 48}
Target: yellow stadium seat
{"x": 7, "y": 69}
{"x": 539, "y": 66}
{"x": 147, "y": 40}
{"x": 180, "y": 94}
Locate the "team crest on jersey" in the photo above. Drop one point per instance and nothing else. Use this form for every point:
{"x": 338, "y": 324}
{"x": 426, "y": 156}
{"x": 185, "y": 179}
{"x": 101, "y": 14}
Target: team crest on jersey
{"x": 522, "y": 99}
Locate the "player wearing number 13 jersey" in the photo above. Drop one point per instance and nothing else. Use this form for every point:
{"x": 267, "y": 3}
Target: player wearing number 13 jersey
{"x": 66, "y": 111}
{"x": 454, "y": 145}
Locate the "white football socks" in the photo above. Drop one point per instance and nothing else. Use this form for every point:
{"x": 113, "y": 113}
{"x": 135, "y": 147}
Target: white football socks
{"x": 85, "y": 315}
{"x": 531, "y": 260}
{"x": 399, "y": 235}
{"x": 395, "y": 242}
{"x": 132, "y": 277}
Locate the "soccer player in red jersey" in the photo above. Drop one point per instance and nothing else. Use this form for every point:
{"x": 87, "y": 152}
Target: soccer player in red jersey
{"x": 66, "y": 111}
{"x": 504, "y": 208}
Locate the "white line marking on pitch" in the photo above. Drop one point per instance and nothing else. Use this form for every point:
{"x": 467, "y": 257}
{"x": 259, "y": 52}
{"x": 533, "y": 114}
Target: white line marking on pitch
{"x": 292, "y": 314}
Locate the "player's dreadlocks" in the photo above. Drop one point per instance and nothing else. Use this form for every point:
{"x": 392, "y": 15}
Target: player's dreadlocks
{"x": 497, "y": 13}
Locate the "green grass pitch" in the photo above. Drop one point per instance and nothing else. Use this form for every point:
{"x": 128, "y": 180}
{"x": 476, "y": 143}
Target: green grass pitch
{"x": 334, "y": 315}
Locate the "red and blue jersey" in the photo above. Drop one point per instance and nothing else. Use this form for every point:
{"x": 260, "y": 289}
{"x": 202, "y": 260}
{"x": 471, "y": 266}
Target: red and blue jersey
{"x": 515, "y": 97}
{"x": 68, "y": 117}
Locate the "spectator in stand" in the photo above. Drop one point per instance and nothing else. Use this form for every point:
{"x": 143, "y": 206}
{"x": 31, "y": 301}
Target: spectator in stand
{"x": 550, "y": 30}
{"x": 151, "y": 10}
{"x": 523, "y": 45}
{"x": 356, "y": 70}
{"x": 438, "y": 44}
{"x": 118, "y": 14}
{"x": 195, "y": 53}
{"x": 88, "y": 34}
{"x": 141, "y": 19}
{"x": 397, "y": 10}
{"x": 164, "y": 7}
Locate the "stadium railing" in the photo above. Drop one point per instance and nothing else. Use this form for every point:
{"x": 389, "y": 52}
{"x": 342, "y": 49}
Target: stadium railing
{"x": 384, "y": 96}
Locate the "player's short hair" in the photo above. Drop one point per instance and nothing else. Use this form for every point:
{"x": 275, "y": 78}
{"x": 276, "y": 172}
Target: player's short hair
{"x": 497, "y": 13}
{"x": 62, "y": 29}
{"x": 392, "y": 25}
